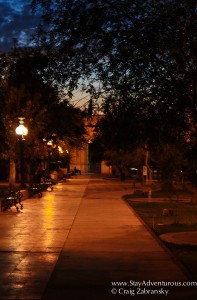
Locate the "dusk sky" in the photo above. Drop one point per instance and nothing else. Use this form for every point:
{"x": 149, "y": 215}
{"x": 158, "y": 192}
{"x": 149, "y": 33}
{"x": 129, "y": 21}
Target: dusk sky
{"x": 16, "y": 21}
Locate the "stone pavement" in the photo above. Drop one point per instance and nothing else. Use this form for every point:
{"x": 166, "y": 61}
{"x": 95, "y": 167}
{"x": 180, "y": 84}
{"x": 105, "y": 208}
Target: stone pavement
{"x": 82, "y": 241}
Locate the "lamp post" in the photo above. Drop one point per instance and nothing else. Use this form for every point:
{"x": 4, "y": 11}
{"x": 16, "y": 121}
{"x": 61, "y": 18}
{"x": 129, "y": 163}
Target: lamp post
{"x": 22, "y": 131}
{"x": 68, "y": 161}
{"x": 88, "y": 155}
{"x": 49, "y": 149}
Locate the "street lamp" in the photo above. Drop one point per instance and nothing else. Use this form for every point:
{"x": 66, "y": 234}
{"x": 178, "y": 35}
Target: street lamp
{"x": 68, "y": 161}
{"x": 22, "y": 131}
{"x": 88, "y": 155}
{"x": 50, "y": 146}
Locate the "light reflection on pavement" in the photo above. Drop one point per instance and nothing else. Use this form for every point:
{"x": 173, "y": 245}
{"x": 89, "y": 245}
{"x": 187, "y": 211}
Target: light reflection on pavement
{"x": 32, "y": 239}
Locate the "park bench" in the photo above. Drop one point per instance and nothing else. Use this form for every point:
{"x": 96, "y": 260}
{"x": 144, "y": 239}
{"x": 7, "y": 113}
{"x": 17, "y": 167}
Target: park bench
{"x": 12, "y": 198}
{"x": 35, "y": 189}
{"x": 47, "y": 184}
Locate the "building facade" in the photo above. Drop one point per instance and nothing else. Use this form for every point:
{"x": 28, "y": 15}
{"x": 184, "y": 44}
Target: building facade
{"x": 81, "y": 158}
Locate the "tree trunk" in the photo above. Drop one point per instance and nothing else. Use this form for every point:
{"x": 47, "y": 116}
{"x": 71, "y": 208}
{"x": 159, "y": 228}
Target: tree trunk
{"x": 12, "y": 175}
{"x": 149, "y": 171}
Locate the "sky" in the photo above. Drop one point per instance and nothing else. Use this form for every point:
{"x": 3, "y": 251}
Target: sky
{"x": 16, "y": 21}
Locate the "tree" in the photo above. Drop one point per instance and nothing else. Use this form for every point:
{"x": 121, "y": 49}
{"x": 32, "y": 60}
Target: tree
{"x": 26, "y": 92}
{"x": 141, "y": 54}
{"x": 146, "y": 48}
{"x": 127, "y": 130}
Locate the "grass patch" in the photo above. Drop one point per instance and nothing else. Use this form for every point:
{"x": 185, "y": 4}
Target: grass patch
{"x": 187, "y": 255}
{"x": 183, "y": 218}
{"x": 176, "y": 194}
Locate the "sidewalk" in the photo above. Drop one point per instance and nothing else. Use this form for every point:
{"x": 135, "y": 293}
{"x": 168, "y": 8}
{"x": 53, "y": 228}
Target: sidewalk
{"x": 75, "y": 241}
{"x": 108, "y": 243}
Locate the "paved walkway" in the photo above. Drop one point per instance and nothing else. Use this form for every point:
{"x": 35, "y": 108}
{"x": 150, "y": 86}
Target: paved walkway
{"x": 82, "y": 241}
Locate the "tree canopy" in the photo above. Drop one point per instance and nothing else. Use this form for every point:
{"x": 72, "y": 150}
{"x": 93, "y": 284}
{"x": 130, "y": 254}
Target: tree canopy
{"x": 27, "y": 91}
{"x": 146, "y": 49}
{"x": 139, "y": 56}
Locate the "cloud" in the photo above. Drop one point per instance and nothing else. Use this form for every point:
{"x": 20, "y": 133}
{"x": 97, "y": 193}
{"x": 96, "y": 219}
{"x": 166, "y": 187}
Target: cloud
{"x": 16, "y": 21}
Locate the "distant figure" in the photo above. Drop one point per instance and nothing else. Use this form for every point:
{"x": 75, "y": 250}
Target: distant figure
{"x": 76, "y": 171}
{"x": 38, "y": 176}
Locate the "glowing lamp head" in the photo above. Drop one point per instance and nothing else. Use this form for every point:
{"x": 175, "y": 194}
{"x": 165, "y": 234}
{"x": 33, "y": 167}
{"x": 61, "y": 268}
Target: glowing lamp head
{"x": 21, "y": 129}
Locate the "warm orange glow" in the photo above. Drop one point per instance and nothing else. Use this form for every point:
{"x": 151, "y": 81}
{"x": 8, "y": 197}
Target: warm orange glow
{"x": 21, "y": 129}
